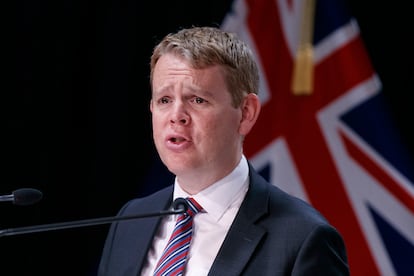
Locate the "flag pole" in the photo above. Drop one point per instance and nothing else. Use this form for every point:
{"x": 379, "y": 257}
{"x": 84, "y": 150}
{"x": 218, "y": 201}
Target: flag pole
{"x": 302, "y": 79}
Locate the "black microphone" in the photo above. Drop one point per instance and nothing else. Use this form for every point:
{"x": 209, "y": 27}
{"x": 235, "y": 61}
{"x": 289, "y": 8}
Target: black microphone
{"x": 23, "y": 196}
{"x": 179, "y": 206}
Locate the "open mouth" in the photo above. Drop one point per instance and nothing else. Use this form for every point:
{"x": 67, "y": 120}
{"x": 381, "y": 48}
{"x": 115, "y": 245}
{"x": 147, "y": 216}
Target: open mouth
{"x": 177, "y": 139}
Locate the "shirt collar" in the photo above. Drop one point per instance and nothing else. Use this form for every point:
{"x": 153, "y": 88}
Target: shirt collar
{"x": 220, "y": 196}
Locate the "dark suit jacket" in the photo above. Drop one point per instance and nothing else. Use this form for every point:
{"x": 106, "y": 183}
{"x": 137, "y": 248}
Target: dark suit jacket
{"x": 273, "y": 234}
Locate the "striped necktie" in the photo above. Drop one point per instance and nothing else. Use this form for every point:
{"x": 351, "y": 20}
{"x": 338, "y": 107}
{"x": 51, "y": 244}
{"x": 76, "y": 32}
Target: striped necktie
{"x": 173, "y": 259}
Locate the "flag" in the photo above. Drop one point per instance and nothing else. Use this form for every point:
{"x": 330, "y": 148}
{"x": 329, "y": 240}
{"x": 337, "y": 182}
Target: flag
{"x": 324, "y": 133}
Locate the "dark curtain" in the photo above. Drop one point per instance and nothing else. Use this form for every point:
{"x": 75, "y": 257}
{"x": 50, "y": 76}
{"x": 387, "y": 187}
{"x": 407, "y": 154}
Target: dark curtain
{"x": 78, "y": 126}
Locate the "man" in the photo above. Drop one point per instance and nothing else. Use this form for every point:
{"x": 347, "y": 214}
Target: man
{"x": 204, "y": 102}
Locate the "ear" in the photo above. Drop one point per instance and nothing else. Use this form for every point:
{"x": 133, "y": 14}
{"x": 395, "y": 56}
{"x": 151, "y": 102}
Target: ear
{"x": 150, "y": 105}
{"x": 250, "y": 108}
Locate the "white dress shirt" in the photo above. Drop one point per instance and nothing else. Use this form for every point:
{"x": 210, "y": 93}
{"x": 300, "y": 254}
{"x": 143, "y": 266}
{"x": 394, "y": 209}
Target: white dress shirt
{"x": 220, "y": 203}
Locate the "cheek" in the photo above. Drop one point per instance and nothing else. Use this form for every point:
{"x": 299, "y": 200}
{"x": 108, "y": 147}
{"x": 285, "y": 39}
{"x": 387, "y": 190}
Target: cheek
{"x": 233, "y": 121}
{"x": 222, "y": 127}
{"x": 156, "y": 126}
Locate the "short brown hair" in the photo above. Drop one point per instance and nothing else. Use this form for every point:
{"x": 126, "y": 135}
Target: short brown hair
{"x": 207, "y": 46}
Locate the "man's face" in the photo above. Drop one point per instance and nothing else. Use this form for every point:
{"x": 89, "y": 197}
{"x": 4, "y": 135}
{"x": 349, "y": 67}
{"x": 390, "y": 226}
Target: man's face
{"x": 195, "y": 126}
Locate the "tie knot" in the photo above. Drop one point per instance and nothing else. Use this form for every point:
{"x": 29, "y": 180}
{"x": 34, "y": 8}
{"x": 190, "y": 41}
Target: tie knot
{"x": 194, "y": 207}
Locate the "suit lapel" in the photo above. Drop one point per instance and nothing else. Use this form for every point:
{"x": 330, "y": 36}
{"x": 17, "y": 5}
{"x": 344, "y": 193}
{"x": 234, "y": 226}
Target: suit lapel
{"x": 244, "y": 234}
{"x": 143, "y": 241}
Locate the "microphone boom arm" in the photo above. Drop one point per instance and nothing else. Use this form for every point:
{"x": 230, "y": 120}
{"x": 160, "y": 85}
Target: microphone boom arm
{"x": 84, "y": 222}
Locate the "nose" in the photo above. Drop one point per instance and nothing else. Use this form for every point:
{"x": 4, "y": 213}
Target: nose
{"x": 179, "y": 115}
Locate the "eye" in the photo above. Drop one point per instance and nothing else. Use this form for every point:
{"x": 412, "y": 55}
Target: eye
{"x": 199, "y": 100}
{"x": 164, "y": 100}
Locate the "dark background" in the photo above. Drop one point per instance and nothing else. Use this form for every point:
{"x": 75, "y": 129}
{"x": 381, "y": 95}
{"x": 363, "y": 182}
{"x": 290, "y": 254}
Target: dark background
{"x": 77, "y": 118}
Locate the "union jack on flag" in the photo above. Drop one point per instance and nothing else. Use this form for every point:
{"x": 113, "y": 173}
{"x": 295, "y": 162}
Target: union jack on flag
{"x": 327, "y": 137}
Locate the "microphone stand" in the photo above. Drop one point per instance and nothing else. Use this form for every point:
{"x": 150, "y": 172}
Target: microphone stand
{"x": 180, "y": 208}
